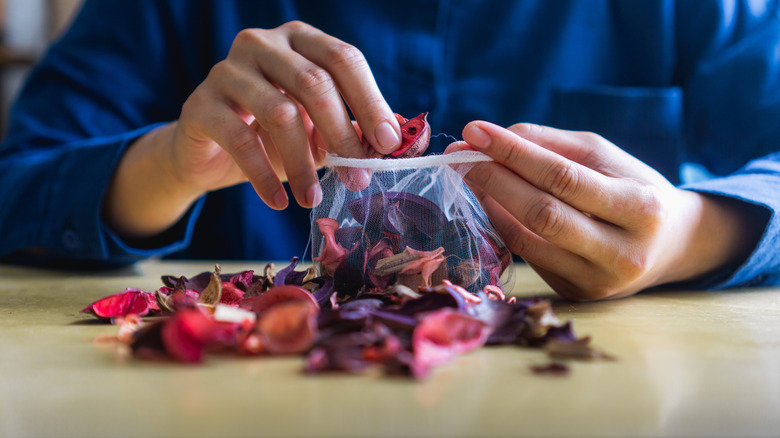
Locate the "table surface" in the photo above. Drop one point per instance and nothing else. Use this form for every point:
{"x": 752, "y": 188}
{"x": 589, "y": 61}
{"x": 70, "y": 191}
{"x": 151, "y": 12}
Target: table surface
{"x": 690, "y": 363}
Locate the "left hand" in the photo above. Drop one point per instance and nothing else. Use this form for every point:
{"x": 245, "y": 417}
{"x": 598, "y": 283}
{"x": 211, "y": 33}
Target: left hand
{"x": 591, "y": 219}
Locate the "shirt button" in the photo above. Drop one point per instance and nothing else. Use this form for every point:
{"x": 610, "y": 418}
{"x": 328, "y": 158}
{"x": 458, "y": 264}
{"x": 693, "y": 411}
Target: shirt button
{"x": 70, "y": 240}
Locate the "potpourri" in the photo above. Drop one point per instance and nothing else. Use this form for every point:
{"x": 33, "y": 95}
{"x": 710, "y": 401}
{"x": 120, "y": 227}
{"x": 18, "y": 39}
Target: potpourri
{"x": 407, "y": 276}
{"x": 296, "y": 312}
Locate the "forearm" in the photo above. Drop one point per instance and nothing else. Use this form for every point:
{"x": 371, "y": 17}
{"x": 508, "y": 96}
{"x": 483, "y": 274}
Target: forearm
{"x": 144, "y": 197}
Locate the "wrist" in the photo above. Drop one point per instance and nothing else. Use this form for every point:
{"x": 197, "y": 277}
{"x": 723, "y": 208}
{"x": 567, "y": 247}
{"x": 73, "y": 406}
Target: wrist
{"x": 145, "y": 197}
{"x": 721, "y": 233}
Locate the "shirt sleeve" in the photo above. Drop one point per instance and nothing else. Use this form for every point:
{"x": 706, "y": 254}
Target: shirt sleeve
{"x": 732, "y": 111}
{"x": 66, "y": 136}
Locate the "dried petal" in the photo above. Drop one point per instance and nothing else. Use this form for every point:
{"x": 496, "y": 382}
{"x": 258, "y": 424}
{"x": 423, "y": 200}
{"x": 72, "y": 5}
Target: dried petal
{"x": 332, "y": 254}
{"x": 442, "y": 335}
{"x": 579, "y": 349}
{"x": 415, "y": 136}
{"x": 277, "y": 295}
{"x": 189, "y": 332}
{"x": 231, "y": 295}
{"x": 128, "y": 302}
{"x": 213, "y": 291}
{"x": 289, "y": 327}
{"x": 552, "y": 369}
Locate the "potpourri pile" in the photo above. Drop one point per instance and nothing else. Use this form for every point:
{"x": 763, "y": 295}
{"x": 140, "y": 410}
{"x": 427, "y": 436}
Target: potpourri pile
{"x": 294, "y": 312}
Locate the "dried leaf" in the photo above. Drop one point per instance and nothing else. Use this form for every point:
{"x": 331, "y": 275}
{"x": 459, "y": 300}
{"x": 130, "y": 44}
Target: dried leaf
{"x": 213, "y": 291}
{"x": 578, "y": 349}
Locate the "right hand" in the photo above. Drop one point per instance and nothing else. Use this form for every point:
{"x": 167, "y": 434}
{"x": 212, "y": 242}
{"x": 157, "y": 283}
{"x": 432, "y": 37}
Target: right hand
{"x": 265, "y": 113}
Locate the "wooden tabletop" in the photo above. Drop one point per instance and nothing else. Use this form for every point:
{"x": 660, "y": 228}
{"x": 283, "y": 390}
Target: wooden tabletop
{"x": 690, "y": 363}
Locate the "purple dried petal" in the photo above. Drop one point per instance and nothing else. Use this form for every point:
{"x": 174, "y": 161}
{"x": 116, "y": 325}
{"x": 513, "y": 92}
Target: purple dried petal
{"x": 348, "y": 278}
{"x": 281, "y": 276}
{"x": 199, "y": 282}
{"x": 326, "y": 289}
{"x": 347, "y": 236}
{"x": 353, "y": 351}
{"x": 415, "y": 211}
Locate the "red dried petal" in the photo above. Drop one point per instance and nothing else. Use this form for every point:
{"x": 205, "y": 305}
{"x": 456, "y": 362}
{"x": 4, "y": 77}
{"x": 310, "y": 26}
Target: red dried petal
{"x": 415, "y": 135}
{"x": 128, "y": 302}
{"x": 189, "y": 332}
{"x": 231, "y": 295}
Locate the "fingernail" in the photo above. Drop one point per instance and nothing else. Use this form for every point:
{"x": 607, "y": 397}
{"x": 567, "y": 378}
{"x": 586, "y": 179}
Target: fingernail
{"x": 314, "y": 195}
{"x": 476, "y": 136}
{"x": 280, "y": 199}
{"x": 386, "y": 136}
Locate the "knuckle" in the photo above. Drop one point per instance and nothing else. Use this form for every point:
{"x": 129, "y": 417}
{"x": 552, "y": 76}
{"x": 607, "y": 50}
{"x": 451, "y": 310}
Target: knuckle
{"x": 631, "y": 267}
{"x": 546, "y": 218}
{"x": 515, "y": 241}
{"x": 512, "y": 152}
{"x": 295, "y": 26}
{"x": 562, "y": 179}
{"x": 649, "y": 208}
{"x": 281, "y": 114}
{"x": 243, "y": 142}
{"x": 488, "y": 180}
{"x": 248, "y": 37}
{"x": 343, "y": 54}
{"x": 314, "y": 81}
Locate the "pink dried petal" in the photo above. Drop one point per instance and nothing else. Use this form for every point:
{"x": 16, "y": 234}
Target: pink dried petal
{"x": 289, "y": 327}
{"x": 243, "y": 279}
{"x": 444, "y": 334}
{"x": 127, "y": 328}
{"x": 277, "y": 295}
{"x": 494, "y": 292}
{"x": 468, "y": 297}
{"x": 333, "y": 253}
{"x": 128, "y": 302}
{"x": 383, "y": 249}
{"x": 427, "y": 263}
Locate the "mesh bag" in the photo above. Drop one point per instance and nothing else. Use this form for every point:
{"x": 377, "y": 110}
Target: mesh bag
{"x": 416, "y": 223}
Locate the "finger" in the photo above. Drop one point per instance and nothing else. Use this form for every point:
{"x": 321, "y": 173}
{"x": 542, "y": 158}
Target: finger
{"x": 543, "y": 214}
{"x": 354, "y": 79}
{"x": 521, "y": 241}
{"x": 271, "y": 59}
{"x": 585, "y": 148}
{"x": 231, "y": 132}
{"x": 281, "y": 119}
{"x": 581, "y": 187}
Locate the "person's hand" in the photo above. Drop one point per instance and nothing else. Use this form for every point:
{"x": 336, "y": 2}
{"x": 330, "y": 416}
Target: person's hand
{"x": 591, "y": 219}
{"x": 267, "y": 110}
{"x": 264, "y": 114}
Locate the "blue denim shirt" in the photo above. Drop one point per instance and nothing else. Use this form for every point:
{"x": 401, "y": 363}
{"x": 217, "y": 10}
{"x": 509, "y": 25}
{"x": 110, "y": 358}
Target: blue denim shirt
{"x": 692, "y": 87}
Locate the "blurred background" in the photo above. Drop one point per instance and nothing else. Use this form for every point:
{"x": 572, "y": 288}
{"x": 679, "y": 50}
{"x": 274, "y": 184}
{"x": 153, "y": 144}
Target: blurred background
{"x": 26, "y": 27}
